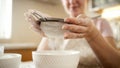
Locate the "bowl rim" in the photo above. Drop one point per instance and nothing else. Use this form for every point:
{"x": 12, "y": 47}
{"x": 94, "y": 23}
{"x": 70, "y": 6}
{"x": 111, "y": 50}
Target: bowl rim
{"x": 16, "y": 55}
{"x": 54, "y": 52}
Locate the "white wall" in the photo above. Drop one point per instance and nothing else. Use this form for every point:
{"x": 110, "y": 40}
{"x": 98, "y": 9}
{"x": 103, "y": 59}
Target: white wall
{"x": 20, "y": 28}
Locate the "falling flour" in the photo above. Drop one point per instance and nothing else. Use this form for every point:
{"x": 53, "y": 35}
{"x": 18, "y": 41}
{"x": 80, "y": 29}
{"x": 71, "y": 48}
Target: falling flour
{"x": 54, "y": 32}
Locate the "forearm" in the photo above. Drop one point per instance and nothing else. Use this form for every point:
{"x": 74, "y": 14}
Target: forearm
{"x": 107, "y": 54}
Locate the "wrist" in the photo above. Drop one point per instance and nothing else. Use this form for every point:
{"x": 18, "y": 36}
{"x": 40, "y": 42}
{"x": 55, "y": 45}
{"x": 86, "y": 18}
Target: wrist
{"x": 42, "y": 34}
{"x": 92, "y": 34}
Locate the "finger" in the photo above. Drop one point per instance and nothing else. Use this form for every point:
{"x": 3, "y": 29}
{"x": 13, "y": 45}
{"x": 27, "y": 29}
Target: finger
{"x": 42, "y": 14}
{"x": 38, "y": 12}
{"x": 88, "y": 21}
{"x": 84, "y": 20}
{"x": 36, "y": 26}
{"x": 71, "y": 20}
{"x": 34, "y": 18}
{"x": 26, "y": 14}
{"x": 81, "y": 21}
{"x": 34, "y": 21}
{"x": 38, "y": 30}
{"x": 30, "y": 14}
{"x": 31, "y": 18}
{"x": 71, "y": 35}
{"x": 76, "y": 21}
{"x": 75, "y": 28}
{"x": 27, "y": 17}
{"x": 81, "y": 16}
{"x": 31, "y": 10}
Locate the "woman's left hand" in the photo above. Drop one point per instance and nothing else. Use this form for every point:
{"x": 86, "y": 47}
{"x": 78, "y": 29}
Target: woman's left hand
{"x": 79, "y": 27}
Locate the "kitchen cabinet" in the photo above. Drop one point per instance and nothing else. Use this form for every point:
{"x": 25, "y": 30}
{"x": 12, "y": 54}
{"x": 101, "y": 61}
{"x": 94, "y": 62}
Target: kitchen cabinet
{"x": 101, "y": 4}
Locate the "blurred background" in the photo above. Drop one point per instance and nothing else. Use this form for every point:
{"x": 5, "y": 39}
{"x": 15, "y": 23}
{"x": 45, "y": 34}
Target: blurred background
{"x": 16, "y": 35}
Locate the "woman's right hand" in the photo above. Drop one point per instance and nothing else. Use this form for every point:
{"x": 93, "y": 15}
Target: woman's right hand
{"x": 35, "y": 24}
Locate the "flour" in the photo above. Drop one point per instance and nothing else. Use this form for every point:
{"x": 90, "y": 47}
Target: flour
{"x": 56, "y": 43}
{"x": 54, "y": 32}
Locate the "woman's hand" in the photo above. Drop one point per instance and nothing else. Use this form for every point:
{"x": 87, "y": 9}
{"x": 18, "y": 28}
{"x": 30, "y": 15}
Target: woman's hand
{"x": 35, "y": 24}
{"x": 79, "y": 27}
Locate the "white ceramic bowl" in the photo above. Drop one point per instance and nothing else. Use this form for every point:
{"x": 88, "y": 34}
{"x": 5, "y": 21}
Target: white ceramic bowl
{"x": 1, "y": 50}
{"x": 56, "y": 59}
{"x": 10, "y": 60}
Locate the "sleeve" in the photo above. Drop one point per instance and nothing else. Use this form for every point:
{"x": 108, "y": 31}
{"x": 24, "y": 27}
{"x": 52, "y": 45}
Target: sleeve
{"x": 106, "y": 28}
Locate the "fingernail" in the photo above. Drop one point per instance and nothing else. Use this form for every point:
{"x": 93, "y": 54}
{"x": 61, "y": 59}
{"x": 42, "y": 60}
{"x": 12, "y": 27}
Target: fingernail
{"x": 65, "y": 26}
{"x": 66, "y": 20}
{"x": 65, "y": 35}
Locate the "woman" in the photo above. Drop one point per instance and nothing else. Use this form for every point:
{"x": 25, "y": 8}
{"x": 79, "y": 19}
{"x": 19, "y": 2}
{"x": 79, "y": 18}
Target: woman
{"x": 94, "y": 37}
